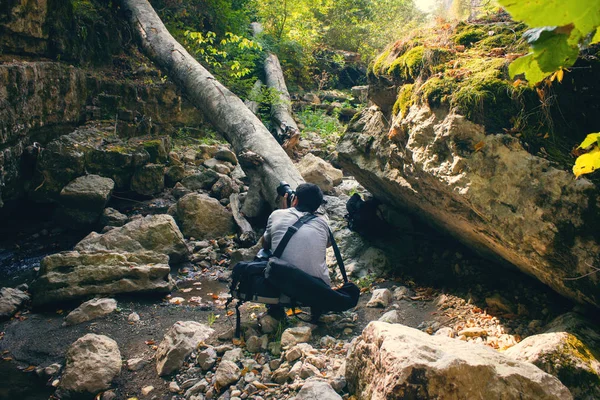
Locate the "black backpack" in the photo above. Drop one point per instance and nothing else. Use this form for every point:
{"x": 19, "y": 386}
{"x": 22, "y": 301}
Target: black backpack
{"x": 275, "y": 281}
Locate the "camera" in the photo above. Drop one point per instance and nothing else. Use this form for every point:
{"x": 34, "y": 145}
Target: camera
{"x": 284, "y": 188}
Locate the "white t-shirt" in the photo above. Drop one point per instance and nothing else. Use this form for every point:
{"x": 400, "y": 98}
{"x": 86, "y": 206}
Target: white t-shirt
{"x": 306, "y": 249}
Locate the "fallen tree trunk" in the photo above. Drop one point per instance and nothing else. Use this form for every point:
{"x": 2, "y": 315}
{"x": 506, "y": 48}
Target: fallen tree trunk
{"x": 254, "y": 93}
{"x": 261, "y": 156}
{"x": 281, "y": 111}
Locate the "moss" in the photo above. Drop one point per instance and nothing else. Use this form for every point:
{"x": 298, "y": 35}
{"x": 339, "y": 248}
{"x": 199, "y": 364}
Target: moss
{"x": 119, "y": 149}
{"x": 404, "y": 100}
{"x": 436, "y": 91}
{"x": 409, "y": 65}
{"x": 379, "y": 62}
{"x": 467, "y": 34}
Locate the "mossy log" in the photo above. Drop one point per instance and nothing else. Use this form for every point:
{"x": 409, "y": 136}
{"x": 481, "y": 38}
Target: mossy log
{"x": 281, "y": 110}
{"x": 225, "y": 110}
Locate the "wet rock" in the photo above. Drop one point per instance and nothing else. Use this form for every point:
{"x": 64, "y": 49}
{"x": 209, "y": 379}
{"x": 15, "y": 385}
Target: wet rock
{"x": 179, "y": 341}
{"x": 92, "y": 362}
{"x": 398, "y": 361}
{"x": 391, "y": 317}
{"x": 201, "y": 181}
{"x": 89, "y": 310}
{"x": 318, "y": 171}
{"x": 11, "y": 300}
{"x": 315, "y": 389}
{"x": 73, "y": 274}
{"x": 149, "y": 179}
{"x": 227, "y": 373}
{"x": 380, "y": 298}
{"x": 203, "y": 217}
{"x": 112, "y": 217}
{"x": 157, "y": 233}
{"x": 207, "y": 358}
{"x": 292, "y": 336}
{"x": 83, "y": 199}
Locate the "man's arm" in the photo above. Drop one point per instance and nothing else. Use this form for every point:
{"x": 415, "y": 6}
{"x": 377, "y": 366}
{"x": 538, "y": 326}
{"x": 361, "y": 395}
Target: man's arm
{"x": 266, "y": 244}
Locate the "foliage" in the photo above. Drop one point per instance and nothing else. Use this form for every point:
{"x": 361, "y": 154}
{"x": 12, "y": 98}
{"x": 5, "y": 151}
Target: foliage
{"x": 588, "y": 162}
{"x": 405, "y": 100}
{"x": 558, "y": 30}
{"x": 326, "y": 126}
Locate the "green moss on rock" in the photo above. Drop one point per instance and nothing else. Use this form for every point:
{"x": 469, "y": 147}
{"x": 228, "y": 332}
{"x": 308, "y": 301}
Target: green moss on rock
{"x": 467, "y": 34}
{"x": 409, "y": 65}
{"x": 405, "y": 100}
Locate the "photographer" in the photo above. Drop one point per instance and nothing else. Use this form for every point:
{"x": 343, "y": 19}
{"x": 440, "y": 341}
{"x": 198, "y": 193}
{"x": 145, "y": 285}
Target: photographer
{"x": 306, "y": 249}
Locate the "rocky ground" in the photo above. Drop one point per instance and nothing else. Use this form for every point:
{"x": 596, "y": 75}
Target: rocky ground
{"x": 409, "y": 274}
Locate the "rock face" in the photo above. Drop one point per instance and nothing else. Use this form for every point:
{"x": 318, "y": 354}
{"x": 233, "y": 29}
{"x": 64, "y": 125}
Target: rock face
{"x": 203, "y": 217}
{"x": 498, "y": 199}
{"x": 178, "y": 343}
{"x": 318, "y": 171}
{"x": 93, "y": 361}
{"x": 397, "y": 362}
{"x": 10, "y": 301}
{"x": 91, "y": 309}
{"x": 75, "y": 274}
{"x": 84, "y": 198}
{"x": 157, "y": 233}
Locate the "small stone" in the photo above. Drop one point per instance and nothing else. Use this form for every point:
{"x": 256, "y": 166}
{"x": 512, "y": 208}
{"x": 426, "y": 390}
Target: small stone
{"x": 401, "y": 292}
{"x": 135, "y": 364}
{"x": 292, "y": 336}
{"x": 236, "y": 393}
{"x": 207, "y": 358}
{"x": 268, "y": 324}
{"x": 253, "y": 344}
{"x": 146, "y": 390}
{"x": 133, "y": 317}
{"x": 109, "y": 395}
{"x": 89, "y": 310}
{"x": 308, "y": 370}
{"x": 227, "y": 373}
{"x": 174, "y": 387}
{"x": 293, "y": 354}
{"x": 189, "y": 383}
{"x": 380, "y": 298}
{"x": 274, "y": 364}
{"x": 391, "y": 317}
{"x": 445, "y": 331}
{"x": 347, "y": 331}
{"x": 52, "y": 369}
{"x": 275, "y": 348}
{"x": 281, "y": 375}
{"x": 295, "y": 371}
{"x": 327, "y": 341}
{"x": 234, "y": 355}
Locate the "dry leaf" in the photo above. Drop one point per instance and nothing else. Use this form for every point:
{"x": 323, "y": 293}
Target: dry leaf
{"x": 479, "y": 146}
{"x": 215, "y": 296}
{"x": 149, "y": 342}
{"x": 29, "y": 369}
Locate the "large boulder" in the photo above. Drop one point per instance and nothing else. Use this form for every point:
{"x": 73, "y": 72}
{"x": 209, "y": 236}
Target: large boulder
{"x": 93, "y": 361}
{"x": 486, "y": 190}
{"x": 318, "y": 171}
{"x": 90, "y": 310}
{"x": 11, "y": 300}
{"x": 396, "y": 362}
{"x": 76, "y": 274}
{"x": 83, "y": 199}
{"x": 158, "y": 233}
{"x": 178, "y": 343}
{"x": 149, "y": 179}
{"x": 203, "y": 217}
{"x": 567, "y": 350}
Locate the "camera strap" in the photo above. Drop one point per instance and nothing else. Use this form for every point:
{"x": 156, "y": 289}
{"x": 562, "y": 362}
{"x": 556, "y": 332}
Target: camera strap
{"x": 290, "y": 232}
{"x": 338, "y": 256}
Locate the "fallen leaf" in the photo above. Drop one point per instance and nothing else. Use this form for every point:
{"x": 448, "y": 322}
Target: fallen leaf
{"x": 60, "y": 311}
{"x": 177, "y": 300}
{"x": 479, "y": 146}
{"x": 215, "y": 297}
{"x": 197, "y": 283}
{"x": 7, "y": 358}
{"x": 149, "y": 342}
{"x": 230, "y": 313}
{"x": 186, "y": 290}
{"x": 237, "y": 342}
{"x": 29, "y": 369}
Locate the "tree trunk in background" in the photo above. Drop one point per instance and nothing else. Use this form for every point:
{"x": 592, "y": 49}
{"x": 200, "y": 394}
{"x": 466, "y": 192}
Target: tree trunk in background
{"x": 281, "y": 111}
{"x": 263, "y": 160}
{"x": 254, "y": 93}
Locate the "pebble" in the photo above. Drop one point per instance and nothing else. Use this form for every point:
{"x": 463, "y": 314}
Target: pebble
{"x": 147, "y": 389}
{"x": 133, "y": 317}
{"x": 174, "y": 387}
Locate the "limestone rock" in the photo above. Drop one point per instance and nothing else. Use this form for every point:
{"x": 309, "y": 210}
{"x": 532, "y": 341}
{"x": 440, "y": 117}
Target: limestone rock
{"x": 203, "y": 217}
{"x": 201, "y": 181}
{"x": 380, "y": 298}
{"x": 267, "y": 323}
{"x": 391, "y": 317}
{"x": 395, "y": 361}
{"x": 207, "y": 358}
{"x": 178, "y": 343}
{"x": 227, "y": 373}
{"x": 112, "y": 217}
{"x": 91, "y": 309}
{"x": 72, "y": 275}
{"x": 157, "y": 233}
{"x": 11, "y": 300}
{"x": 318, "y": 171}
{"x": 224, "y": 154}
{"x": 92, "y": 362}
{"x": 149, "y": 179}
{"x": 317, "y": 390}
{"x": 478, "y": 196}
{"x": 174, "y": 175}
{"x": 293, "y": 336}
{"x": 224, "y": 187}
{"x": 83, "y": 199}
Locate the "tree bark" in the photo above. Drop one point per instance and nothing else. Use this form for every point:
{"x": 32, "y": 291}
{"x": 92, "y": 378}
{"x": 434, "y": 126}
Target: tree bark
{"x": 254, "y": 93}
{"x": 281, "y": 111}
{"x": 264, "y": 161}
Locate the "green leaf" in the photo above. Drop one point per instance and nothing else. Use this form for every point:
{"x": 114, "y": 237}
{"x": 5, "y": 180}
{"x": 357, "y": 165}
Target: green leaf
{"x": 583, "y": 14}
{"x": 552, "y": 51}
{"x": 596, "y": 37}
{"x": 528, "y": 66}
{"x": 590, "y": 140}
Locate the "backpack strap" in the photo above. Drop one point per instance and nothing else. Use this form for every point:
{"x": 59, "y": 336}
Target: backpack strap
{"x": 290, "y": 232}
{"x": 338, "y": 256}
